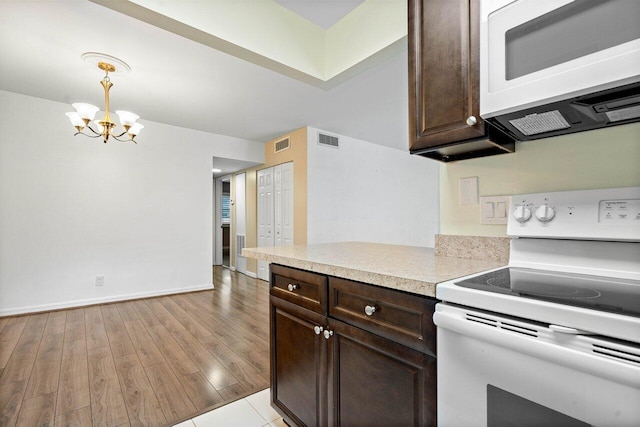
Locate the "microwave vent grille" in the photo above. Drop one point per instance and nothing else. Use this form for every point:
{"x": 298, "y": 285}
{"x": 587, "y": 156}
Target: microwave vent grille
{"x": 533, "y": 124}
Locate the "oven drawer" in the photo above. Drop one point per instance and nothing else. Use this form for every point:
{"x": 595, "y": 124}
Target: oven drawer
{"x": 306, "y": 289}
{"x": 403, "y": 318}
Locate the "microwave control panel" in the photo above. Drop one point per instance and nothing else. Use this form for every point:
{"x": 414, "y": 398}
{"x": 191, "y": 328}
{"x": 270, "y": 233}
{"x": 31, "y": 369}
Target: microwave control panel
{"x": 603, "y": 214}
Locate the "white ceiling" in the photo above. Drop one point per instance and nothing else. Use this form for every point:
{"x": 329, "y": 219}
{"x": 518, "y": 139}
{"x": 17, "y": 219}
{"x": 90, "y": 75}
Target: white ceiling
{"x": 323, "y": 13}
{"x": 180, "y": 82}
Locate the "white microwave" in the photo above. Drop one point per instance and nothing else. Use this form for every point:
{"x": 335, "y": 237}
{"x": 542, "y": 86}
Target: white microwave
{"x": 540, "y": 52}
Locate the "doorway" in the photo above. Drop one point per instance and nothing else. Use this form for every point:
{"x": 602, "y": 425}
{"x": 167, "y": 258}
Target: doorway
{"x": 240, "y": 221}
{"x": 222, "y": 226}
{"x": 229, "y": 214}
{"x": 225, "y": 204}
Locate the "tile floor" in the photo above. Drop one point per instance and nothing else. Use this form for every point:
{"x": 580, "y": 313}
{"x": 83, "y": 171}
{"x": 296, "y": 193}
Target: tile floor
{"x": 252, "y": 411}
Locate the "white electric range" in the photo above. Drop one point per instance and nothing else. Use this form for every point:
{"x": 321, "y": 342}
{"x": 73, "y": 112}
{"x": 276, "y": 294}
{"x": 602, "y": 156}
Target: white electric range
{"x": 554, "y": 338}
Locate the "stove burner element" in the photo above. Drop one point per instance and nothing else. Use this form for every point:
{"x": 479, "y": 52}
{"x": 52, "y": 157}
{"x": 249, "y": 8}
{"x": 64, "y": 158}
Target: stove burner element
{"x": 526, "y": 286}
{"x": 594, "y": 292}
{"x": 562, "y": 293}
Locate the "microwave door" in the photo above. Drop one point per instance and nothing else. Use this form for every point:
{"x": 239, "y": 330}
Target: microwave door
{"x": 510, "y": 31}
{"x": 540, "y": 51}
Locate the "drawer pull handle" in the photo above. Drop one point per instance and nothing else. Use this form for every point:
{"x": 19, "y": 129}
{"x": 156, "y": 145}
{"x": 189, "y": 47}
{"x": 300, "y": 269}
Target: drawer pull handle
{"x": 369, "y": 310}
{"x": 327, "y": 334}
{"x": 318, "y": 329}
{"x": 292, "y": 287}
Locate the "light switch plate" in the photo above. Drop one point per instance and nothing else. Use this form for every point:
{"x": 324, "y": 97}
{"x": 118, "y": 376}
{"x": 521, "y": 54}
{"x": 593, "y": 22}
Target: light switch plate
{"x": 468, "y": 191}
{"x": 494, "y": 209}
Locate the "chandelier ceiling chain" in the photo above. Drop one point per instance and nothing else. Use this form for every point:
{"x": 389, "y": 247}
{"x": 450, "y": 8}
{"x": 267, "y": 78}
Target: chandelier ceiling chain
{"x": 84, "y": 115}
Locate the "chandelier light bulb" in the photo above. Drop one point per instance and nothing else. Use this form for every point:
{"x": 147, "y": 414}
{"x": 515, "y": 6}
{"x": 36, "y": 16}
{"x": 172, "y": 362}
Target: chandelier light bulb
{"x": 83, "y": 117}
{"x": 135, "y": 129}
{"x": 127, "y": 119}
{"x": 76, "y": 120}
{"x": 86, "y": 111}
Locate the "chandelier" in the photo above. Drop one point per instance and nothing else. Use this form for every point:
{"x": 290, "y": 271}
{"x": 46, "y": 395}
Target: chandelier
{"x": 83, "y": 118}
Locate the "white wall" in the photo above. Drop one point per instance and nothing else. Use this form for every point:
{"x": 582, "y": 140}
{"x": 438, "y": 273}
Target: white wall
{"x": 72, "y": 208}
{"x": 367, "y": 192}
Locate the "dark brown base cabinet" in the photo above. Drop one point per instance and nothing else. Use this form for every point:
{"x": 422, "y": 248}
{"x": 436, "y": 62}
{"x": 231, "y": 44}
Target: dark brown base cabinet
{"x": 298, "y": 365}
{"x": 333, "y": 365}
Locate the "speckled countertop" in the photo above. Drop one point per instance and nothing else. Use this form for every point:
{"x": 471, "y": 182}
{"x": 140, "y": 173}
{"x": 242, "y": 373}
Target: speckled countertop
{"x": 407, "y": 268}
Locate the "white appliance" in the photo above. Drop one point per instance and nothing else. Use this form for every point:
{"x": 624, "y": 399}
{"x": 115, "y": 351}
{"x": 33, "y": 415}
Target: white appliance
{"x": 535, "y": 52}
{"x": 553, "y": 67}
{"x": 554, "y": 338}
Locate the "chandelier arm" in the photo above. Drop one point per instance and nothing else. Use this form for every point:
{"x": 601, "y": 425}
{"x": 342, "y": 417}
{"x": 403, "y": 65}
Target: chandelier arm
{"x": 117, "y": 138}
{"x": 97, "y": 135}
{"x": 88, "y": 126}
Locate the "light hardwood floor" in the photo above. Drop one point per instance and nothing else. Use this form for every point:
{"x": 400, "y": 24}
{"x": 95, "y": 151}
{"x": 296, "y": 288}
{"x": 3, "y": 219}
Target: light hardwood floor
{"x": 152, "y": 361}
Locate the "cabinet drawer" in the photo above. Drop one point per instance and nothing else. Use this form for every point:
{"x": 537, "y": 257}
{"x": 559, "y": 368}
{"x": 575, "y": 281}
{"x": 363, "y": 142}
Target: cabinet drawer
{"x": 308, "y": 290}
{"x": 403, "y": 318}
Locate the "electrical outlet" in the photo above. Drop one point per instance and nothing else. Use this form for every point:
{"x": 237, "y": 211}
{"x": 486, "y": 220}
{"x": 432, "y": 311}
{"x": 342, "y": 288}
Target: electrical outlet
{"x": 99, "y": 280}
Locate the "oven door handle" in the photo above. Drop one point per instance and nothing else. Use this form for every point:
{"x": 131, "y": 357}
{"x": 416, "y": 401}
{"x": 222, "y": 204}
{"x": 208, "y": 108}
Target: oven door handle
{"x": 568, "y": 330}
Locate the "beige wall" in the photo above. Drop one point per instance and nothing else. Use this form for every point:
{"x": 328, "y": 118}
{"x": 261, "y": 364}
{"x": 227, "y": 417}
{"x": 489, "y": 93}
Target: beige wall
{"x": 596, "y": 159}
{"x": 298, "y": 155}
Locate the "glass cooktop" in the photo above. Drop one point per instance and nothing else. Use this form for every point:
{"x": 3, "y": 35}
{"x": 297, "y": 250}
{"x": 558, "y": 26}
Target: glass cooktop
{"x": 614, "y": 295}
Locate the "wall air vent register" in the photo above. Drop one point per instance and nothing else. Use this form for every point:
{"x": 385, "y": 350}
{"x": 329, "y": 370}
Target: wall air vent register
{"x": 328, "y": 140}
{"x": 283, "y": 144}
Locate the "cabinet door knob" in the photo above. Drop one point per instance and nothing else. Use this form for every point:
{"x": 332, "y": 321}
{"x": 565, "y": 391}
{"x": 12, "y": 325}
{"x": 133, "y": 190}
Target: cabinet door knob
{"x": 369, "y": 310}
{"x": 318, "y": 329}
{"x": 292, "y": 287}
{"x": 327, "y": 334}
{"x": 471, "y": 120}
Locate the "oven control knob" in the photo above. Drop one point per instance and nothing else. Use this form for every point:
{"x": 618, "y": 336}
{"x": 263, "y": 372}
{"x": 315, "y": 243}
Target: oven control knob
{"x": 522, "y": 214}
{"x": 545, "y": 213}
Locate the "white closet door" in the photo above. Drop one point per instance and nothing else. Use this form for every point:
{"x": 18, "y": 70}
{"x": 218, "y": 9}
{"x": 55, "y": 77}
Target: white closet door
{"x": 265, "y": 217}
{"x": 275, "y": 210}
{"x": 286, "y": 230}
{"x": 277, "y": 205}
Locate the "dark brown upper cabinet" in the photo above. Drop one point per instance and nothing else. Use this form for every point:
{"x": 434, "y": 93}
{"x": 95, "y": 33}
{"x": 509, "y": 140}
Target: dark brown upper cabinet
{"x": 444, "y": 83}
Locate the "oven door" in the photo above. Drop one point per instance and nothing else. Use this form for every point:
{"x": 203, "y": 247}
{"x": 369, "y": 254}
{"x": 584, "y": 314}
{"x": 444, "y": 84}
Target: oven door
{"x": 500, "y": 371}
{"x": 534, "y": 52}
